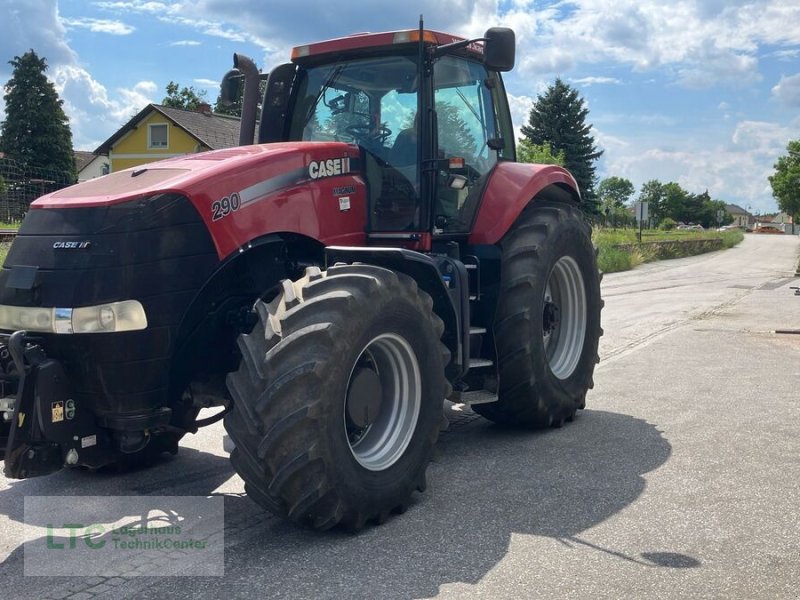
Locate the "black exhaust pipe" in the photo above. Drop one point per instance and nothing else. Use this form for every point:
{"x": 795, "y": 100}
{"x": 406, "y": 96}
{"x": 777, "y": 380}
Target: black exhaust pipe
{"x": 252, "y": 79}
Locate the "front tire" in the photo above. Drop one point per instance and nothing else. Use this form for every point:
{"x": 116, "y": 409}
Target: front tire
{"x": 547, "y": 324}
{"x": 338, "y": 398}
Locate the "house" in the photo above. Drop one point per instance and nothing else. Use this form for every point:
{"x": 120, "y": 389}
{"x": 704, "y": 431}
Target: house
{"x": 741, "y": 218}
{"x": 783, "y": 222}
{"x": 157, "y": 132}
{"x": 91, "y": 165}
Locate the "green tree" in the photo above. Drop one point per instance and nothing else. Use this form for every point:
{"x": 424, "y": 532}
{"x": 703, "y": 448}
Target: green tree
{"x": 454, "y": 133}
{"x": 186, "y": 98}
{"x": 709, "y": 213}
{"x": 558, "y": 118}
{"x": 540, "y": 154}
{"x": 36, "y": 130}
{"x": 652, "y": 192}
{"x": 235, "y": 109}
{"x": 675, "y": 203}
{"x": 786, "y": 181}
{"x": 615, "y": 192}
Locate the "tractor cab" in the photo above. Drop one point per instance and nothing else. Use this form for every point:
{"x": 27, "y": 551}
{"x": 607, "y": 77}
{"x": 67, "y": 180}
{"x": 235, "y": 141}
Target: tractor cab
{"x": 427, "y": 110}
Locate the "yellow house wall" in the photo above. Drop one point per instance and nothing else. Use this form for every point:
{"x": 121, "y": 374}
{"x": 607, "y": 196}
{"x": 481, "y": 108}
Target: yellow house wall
{"x": 132, "y": 150}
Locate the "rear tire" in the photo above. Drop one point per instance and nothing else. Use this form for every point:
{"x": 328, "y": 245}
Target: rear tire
{"x": 547, "y": 324}
{"x": 338, "y": 398}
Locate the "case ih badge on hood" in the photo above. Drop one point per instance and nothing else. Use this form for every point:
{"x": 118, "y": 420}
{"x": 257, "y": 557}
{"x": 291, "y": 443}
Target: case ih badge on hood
{"x": 323, "y": 289}
{"x": 329, "y": 168}
{"x": 72, "y": 245}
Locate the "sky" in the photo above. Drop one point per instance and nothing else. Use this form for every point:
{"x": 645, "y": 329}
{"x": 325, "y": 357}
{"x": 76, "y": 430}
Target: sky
{"x": 705, "y": 93}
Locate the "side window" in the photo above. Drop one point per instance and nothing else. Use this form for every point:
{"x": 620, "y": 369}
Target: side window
{"x": 465, "y": 113}
{"x": 504, "y": 124}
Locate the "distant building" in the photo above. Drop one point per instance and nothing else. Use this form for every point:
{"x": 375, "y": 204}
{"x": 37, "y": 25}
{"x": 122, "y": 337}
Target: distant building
{"x": 741, "y": 217}
{"x": 159, "y": 132}
{"x": 91, "y": 165}
{"x": 784, "y": 222}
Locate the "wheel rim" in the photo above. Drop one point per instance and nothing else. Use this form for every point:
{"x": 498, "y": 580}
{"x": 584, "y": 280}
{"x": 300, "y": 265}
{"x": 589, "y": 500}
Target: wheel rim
{"x": 564, "y": 317}
{"x": 381, "y": 442}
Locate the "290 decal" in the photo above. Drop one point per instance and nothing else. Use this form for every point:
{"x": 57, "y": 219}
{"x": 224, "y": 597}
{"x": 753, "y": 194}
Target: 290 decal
{"x": 225, "y": 206}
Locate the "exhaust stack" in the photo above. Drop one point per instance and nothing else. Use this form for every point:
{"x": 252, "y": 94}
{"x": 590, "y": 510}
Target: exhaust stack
{"x": 243, "y": 66}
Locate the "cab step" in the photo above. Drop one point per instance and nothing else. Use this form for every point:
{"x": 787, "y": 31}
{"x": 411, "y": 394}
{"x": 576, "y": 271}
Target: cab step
{"x": 478, "y": 397}
{"x": 479, "y": 363}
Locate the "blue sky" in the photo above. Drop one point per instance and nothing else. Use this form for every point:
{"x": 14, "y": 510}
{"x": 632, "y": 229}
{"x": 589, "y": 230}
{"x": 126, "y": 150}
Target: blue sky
{"x": 702, "y": 92}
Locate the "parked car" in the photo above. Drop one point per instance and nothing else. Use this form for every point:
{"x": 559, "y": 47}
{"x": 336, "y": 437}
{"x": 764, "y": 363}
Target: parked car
{"x": 691, "y": 227}
{"x": 768, "y": 229}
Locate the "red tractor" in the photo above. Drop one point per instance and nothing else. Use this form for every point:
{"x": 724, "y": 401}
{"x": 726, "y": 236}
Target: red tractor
{"x": 375, "y": 251}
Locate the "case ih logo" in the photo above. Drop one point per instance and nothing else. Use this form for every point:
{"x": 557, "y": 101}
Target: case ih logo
{"x": 328, "y": 168}
{"x": 71, "y": 245}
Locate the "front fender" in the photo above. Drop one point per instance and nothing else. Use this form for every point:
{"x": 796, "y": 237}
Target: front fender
{"x": 511, "y": 187}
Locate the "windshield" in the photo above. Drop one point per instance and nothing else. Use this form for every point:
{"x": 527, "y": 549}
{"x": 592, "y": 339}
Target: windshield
{"x": 368, "y": 102}
{"x": 371, "y": 102}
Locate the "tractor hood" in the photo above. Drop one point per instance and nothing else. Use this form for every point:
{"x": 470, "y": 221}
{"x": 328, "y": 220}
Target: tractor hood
{"x": 188, "y": 175}
{"x": 314, "y": 189}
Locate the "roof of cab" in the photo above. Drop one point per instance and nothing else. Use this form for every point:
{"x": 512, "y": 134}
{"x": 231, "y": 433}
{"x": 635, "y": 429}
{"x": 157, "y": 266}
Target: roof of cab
{"x": 359, "y": 41}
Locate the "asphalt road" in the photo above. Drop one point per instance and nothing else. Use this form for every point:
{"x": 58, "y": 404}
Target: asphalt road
{"x": 681, "y": 479}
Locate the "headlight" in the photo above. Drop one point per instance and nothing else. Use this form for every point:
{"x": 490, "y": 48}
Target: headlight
{"x": 106, "y": 318}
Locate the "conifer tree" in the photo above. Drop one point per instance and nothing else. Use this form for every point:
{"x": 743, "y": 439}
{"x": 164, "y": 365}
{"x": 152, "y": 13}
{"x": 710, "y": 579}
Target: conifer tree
{"x": 36, "y": 130}
{"x": 558, "y": 118}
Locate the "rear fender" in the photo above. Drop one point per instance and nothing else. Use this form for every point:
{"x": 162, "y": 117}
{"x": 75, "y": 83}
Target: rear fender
{"x": 511, "y": 187}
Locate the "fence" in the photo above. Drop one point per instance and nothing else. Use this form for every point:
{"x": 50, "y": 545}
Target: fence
{"x": 20, "y": 185}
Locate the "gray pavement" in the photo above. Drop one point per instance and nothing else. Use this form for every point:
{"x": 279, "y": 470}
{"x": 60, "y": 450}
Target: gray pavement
{"x": 680, "y": 480}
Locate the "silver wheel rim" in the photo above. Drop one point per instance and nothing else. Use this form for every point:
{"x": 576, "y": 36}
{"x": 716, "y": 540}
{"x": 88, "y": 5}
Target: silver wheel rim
{"x": 383, "y": 442}
{"x": 564, "y": 319}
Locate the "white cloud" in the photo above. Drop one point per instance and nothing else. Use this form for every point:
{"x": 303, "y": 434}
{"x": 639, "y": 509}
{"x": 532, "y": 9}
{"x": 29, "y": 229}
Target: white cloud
{"x": 589, "y": 81}
{"x": 207, "y": 82}
{"x": 786, "y": 55}
{"x": 33, "y": 24}
{"x": 100, "y": 26}
{"x": 94, "y": 115}
{"x": 787, "y": 90}
{"x": 734, "y": 170}
{"x": 761, "y": 137}
{"x": 703, "y": 42}
{"x": 520, "y": 107}
{"x": 135, "y": 6}
{"x": 185, "y": 43}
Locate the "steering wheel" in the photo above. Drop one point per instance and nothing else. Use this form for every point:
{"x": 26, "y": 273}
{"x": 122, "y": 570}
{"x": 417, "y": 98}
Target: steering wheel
{"x": 365, "y": 131}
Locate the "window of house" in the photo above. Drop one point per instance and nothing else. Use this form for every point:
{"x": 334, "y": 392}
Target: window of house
{"x": 157, "y": 136}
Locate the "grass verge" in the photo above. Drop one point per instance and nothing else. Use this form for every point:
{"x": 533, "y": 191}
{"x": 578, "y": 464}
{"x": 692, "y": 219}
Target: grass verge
{"x": 619, "y": 251}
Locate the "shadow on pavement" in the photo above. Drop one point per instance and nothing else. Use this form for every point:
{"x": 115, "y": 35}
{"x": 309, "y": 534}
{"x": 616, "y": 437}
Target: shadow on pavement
{"x": 486, "y": 484}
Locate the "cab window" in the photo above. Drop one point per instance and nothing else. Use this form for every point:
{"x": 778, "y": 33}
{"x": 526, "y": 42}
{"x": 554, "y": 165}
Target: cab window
{"x": 466, "y": 123}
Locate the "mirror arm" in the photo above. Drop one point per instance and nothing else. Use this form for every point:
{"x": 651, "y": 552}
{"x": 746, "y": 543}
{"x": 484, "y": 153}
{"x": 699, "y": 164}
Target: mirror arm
{"x": 440, "y": 50}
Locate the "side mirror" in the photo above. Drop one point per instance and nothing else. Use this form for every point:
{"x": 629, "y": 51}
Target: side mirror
{"x": 231, "y": 87}
{"x": 500, "y": 49}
